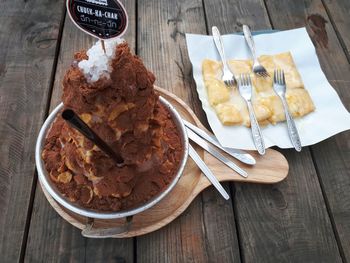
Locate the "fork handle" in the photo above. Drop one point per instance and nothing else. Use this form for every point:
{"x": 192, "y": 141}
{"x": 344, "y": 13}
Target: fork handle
{"x": 219, "y": 45}
{"x": 292, "y": 129}
{"x": 257, "y": 136}
{"x": 250, "y": 41}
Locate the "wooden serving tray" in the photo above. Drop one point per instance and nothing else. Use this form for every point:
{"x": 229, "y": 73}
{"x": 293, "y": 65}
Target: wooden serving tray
{"x": 270, "y": 168}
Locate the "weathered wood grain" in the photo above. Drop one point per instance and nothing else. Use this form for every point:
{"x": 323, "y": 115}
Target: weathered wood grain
{"x": 332, "y": 156}
{"x": 50, "y": 238}
{"x": 288, "y": 221}
{"x": 284, "y": 222}
{"x": 339, "y": 14}
{"x": 28, "y": 39}
{"x": 206, "y": 230}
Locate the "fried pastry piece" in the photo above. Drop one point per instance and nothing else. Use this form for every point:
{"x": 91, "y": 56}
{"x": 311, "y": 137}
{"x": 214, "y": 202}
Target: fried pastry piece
{"x": 231, "y": 108}
{"x": 299, "y": 102}
{"x": 228, "y": 114}
{"x": 217, "y": 92}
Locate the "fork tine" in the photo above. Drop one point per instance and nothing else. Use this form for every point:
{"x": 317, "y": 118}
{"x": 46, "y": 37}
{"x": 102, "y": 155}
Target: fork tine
{"x": 281, "y": 76}
{"x": 283, "y": 79}
{"x": 274, "y": 76}
{"x": 263, "y": 74}
{"x": 249, "y": 80}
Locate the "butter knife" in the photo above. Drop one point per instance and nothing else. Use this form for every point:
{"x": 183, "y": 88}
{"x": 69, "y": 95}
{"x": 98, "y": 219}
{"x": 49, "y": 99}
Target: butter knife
{"x": 202, "y": 143}
{"x": 207, "y": 172}
{"x": 235, "y": 153}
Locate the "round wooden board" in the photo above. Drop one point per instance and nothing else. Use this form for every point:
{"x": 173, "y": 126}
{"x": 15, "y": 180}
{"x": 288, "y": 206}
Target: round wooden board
{"x": 270, "y": 168}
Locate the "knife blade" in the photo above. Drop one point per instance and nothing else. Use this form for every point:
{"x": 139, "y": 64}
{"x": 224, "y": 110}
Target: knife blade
{"x": 202, "y": 143}
{"x": 207, "y": 172}
{"x": 238, "y": 154}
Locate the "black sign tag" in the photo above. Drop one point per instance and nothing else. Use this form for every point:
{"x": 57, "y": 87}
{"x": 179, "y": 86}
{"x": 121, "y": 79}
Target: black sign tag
{"x": 103, "y": 19}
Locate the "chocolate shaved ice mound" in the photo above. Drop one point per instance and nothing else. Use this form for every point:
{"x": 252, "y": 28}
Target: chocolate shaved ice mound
{"x": 117, "y": 100}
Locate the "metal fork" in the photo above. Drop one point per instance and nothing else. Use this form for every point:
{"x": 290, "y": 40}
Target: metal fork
{"x": 227, "y": 77}
{"x": 258, "y": 69}
{"x": 245, "y": 89}
{"x": 279, "y": 86}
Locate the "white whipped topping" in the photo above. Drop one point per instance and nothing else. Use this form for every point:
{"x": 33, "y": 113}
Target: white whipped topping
{"x": 98, "y": 63}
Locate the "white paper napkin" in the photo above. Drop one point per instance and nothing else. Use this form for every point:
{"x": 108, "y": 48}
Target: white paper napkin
{"x": 330, "y": 116}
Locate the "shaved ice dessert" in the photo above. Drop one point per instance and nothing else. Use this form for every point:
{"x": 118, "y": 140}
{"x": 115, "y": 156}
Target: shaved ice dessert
{"x": 113, "y": 93}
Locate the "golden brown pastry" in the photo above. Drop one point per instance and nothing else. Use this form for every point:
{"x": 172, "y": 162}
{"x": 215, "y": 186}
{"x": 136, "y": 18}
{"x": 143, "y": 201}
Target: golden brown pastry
{"x": 231, "y": 109}
{"x": 228, "y": 114}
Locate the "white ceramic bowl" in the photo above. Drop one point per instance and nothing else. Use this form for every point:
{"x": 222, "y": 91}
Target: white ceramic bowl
{"x": 74, "y": 207}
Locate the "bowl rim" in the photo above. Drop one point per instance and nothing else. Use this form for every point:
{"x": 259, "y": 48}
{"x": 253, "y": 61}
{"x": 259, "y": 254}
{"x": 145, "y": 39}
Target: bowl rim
{"x": 49, "y": 186}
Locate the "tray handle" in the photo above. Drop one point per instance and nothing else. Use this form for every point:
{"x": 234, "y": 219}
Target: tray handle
{"x": 91, "y": 232}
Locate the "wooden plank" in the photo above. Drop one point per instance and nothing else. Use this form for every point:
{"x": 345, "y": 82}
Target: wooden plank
{"x": 201, "y": 234}
{"x": 206, "y": 230}
{"x": 339, "y": 15}
{"x": 28, "y": 39}
{"x": 286, "y": 221}
{"x": 290, "y": 221}
{"x": 331, "y": 156}
{"x": 332, "y": 161}
{"x": 51, "y": 239}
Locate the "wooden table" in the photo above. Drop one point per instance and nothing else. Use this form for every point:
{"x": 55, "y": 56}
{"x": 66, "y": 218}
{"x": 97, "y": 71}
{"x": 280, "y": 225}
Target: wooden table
{"x": 306, "y": 218}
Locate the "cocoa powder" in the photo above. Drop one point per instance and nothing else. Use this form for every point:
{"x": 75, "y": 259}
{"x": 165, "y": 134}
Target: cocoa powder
{"x": 125, "y": 112}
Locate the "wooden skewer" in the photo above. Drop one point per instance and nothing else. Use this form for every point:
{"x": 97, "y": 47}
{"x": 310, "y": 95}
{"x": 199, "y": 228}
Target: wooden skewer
{"x": 103, "y": 46}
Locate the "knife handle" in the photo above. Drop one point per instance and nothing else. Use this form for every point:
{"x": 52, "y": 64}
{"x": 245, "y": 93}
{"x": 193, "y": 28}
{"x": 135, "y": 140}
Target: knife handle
{"x": 235, "y": 153}
{"x": 205, "y": 145}
{"x": 207, "y": 172}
